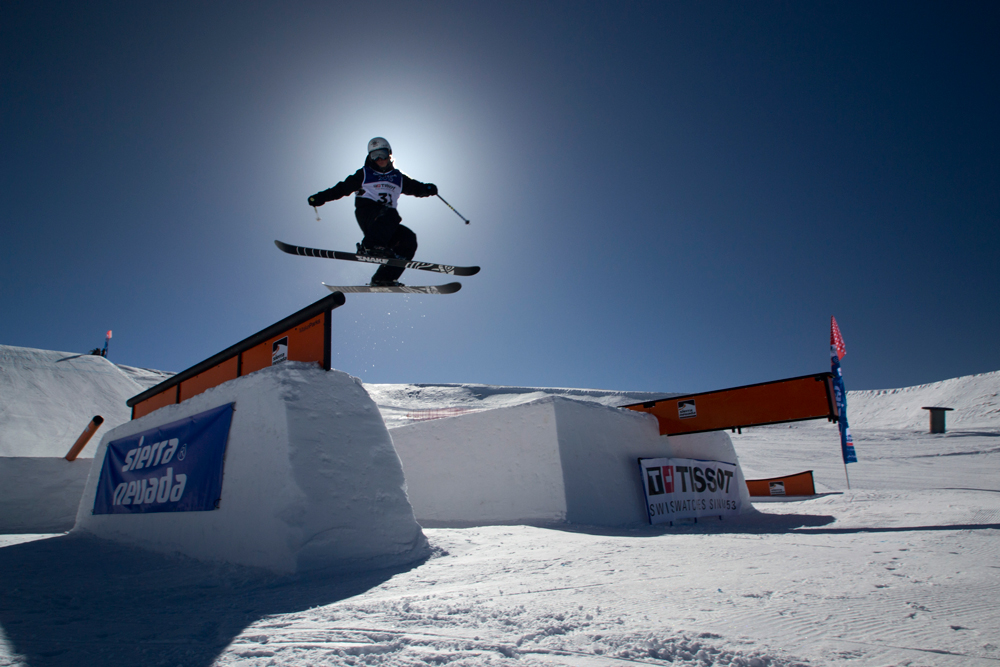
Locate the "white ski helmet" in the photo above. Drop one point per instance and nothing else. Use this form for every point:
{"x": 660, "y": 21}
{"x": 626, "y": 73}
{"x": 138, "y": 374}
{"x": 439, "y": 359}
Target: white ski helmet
{"x": 378, "y": 143}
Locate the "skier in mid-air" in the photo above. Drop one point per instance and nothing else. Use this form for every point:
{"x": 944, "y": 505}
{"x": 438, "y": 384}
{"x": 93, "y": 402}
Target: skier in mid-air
{"x": 378, "y": 186}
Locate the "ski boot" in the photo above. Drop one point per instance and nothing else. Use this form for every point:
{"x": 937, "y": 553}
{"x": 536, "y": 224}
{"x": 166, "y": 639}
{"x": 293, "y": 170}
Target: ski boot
{"x": 375, "y": 251}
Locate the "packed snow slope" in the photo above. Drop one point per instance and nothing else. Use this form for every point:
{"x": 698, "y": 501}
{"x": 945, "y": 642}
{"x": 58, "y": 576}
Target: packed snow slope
{"x": 899, "y": 570}
{"x": 976, "y": 399}
{"x": 47, "y": 398}
{"x": 402, "y": 404}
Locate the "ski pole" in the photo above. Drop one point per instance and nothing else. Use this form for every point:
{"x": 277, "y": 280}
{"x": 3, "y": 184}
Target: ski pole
{"x": 317, "y": 212}
{"x": 453, "y": 209}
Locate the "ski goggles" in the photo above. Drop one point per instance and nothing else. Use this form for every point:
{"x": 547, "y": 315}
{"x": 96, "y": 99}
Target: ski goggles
{"x": 380, "y": 154}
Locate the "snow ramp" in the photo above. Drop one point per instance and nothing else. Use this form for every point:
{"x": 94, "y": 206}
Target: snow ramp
{"x": 48, "y": 397}
{"x": 555, "y": 460}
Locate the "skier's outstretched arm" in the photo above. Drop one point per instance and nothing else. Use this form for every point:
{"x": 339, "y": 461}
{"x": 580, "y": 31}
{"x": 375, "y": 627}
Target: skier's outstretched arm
{"x": 347, "y": 186}
{"x": 417, "y": 189}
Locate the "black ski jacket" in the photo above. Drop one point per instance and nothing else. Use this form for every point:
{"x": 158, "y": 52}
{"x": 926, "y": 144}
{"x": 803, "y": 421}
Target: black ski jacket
{"x": 352, "y": 184}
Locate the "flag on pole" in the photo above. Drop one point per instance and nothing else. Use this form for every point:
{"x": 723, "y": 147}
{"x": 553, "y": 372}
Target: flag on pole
{"x": 107, "y": 339}
{"x": 836, "y": 340}
{"x": 837, "y": 352}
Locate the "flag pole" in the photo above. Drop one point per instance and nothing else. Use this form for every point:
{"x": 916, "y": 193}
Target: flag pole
{"x": 837, "y": 352}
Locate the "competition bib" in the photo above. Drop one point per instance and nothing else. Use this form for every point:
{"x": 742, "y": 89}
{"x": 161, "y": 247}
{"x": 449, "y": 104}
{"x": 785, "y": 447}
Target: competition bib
{"x": 383, "y": 188}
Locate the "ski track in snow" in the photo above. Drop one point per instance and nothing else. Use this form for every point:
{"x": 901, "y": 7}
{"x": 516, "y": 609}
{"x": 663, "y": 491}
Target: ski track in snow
{"x": 902, "y": 569}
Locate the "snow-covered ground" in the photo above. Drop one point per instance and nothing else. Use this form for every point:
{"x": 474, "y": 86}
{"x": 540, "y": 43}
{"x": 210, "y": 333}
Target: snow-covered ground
{"x": 903, "y": 569}
{"x": 402, "y": 404}
{"x": 48, "y": 397}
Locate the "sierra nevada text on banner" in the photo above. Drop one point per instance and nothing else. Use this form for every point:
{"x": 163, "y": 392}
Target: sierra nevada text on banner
{"x": 689, "y": 488}
{"x": 176, "y": 467}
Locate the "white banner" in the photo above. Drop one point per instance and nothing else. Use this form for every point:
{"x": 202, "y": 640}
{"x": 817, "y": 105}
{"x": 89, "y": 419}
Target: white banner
{"x": 689, "y": 488}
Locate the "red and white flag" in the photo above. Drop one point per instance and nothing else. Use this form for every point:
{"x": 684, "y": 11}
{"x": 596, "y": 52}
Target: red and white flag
{"x": 836, "y": 340}
{"x": 837, "y": 352}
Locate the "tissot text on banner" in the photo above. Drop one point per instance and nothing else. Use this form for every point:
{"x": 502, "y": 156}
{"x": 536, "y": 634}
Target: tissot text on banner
{"x": 688, "y": 488}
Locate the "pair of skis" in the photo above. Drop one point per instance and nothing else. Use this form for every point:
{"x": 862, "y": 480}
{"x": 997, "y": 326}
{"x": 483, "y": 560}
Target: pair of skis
{"x": 447, "y": 288}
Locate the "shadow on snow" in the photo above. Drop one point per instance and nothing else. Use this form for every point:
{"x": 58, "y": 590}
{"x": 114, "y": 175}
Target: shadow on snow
{"x": 70, "y": 601}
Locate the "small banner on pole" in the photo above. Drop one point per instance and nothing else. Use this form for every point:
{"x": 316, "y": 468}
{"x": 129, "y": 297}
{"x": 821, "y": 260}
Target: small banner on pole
{"x": 688, "y": 488}
{"x": 837, "y": 352}
{"x": 176, "y": 467}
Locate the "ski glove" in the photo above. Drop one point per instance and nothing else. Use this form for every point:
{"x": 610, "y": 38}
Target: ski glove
{"x": 317, "y": 199}
{"x": 431, "y": 190}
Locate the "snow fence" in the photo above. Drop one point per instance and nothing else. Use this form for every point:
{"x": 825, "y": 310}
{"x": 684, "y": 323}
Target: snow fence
{"x": 311, "y": 480}
{"x": 555, "y": 460}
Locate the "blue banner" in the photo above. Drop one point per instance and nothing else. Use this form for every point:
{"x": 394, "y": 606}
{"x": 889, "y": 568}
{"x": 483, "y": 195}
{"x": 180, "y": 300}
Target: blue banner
{"x": 176, "y": 467}
{"x": 846, "y": 441}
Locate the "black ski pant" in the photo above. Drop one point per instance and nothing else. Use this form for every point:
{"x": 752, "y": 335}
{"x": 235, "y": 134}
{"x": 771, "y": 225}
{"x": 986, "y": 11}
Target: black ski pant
{"x": 384, "y": 229}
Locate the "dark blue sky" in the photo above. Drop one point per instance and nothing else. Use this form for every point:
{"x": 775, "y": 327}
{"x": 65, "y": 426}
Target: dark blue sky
{"x": 664, "y": 196}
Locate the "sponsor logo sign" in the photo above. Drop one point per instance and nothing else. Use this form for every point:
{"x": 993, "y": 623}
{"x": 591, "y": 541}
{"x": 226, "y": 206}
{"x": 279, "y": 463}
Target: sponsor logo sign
{"x": 659, "y": 480}
{"x": 279, "y": 351}
{"x": 688, "y": 488}
{"x": 776, "y": 488}
{"x": 176, "y": 467}
{"x": 686, "y": 409}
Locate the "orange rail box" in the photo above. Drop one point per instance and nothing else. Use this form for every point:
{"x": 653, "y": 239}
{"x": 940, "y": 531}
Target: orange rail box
{"x": 302, "y": 336}
{"x": 166, "y": 397}
{"x": 800, "y": 484}
{"x": 794, "y": 399}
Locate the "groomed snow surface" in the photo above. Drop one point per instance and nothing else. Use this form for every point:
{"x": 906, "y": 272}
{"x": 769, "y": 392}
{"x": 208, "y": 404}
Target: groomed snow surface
{"x": 902, "y": 569}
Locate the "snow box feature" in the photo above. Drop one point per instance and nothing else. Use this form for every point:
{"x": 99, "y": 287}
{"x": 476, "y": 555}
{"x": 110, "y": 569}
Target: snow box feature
{"x": 310, "y": 480}
{"x": 555, "y": 460}
{"x": 40, "y": 494}
{"x": 712, "y": 446}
